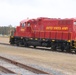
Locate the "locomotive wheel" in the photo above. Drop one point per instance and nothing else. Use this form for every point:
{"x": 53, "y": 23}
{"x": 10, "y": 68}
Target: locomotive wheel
{"x": 34, "y": 46}
{"x": 25, "y": 44}
{"x": 75, "y": 51}
{"x": 68, "y": 49}
{"x": 62, "y": 48}
{"x": 11, "y": 43}
{"x": 53, "y": 47}
{"x": 17, "y": 44}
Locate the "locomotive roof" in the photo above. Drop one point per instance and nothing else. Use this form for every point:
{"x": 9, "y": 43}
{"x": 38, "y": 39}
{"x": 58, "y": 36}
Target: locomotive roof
{"x": 25, "y": 20}
{"x": 43, "y": 18}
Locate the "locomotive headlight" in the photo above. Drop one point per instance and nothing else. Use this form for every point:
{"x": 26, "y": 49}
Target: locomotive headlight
{"x": 31, "y": 38}
{"x": 12, "y": 36}
{"x": 69, "y": 41}
{"x": 43, "y": 39}
{"x": 36, "y": 39}
{"x": 53, "y": 40}
{"x": 21, "y": 37}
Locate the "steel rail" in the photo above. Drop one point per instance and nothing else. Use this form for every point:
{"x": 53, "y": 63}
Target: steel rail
{"x": 5, "y": 70}
{"x": 29, "y": 68}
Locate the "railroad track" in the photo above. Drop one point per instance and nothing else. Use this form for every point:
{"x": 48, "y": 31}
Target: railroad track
{"x": 5, "y": 70}
{"x": 40, "y": 48}
{"x": 18, "y": 68}
{"x": 5, "y": 44}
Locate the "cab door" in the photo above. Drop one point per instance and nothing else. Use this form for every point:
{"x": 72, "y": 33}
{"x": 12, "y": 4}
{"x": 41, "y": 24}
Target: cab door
{"x": 29, "y": 32}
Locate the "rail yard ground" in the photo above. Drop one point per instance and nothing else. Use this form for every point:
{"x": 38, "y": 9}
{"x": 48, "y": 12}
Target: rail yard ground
{"x": 61, "y": 62}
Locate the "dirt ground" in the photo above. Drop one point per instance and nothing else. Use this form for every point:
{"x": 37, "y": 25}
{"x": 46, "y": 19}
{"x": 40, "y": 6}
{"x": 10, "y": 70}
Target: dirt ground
{"x": 59, "y": 61}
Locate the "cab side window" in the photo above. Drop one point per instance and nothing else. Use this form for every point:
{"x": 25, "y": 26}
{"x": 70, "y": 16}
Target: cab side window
{"x": 23, "y": 24}
{"x": 28, "y": 24}
{"x": 74, "y": 23}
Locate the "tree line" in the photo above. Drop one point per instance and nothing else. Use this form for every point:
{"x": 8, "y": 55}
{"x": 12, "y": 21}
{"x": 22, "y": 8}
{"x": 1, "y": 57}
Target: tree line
{"x": 5, "y": 30}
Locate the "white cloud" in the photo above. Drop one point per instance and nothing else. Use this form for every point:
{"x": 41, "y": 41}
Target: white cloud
{"x": 12, "y": 11}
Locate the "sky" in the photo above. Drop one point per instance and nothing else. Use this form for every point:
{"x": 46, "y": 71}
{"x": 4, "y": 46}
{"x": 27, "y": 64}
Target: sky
{"x": 13, "y": 11}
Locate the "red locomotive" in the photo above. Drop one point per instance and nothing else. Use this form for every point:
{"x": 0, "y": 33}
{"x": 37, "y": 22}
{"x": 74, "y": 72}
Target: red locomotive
{"x": 47, "y": 32}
